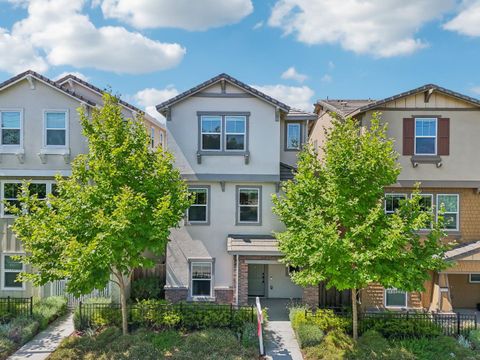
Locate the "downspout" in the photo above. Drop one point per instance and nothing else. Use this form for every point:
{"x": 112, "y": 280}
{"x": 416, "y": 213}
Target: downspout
{"x": 236, "y": 282}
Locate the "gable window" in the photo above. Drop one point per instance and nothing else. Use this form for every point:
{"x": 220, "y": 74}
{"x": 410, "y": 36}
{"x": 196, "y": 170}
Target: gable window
{"x": 211, "y": 136}
{"x": 425, "y": 136}
{"x": 293, "y": 136}
{"x": 201, "y": 278}
{"x": 56, "y": 128}
{"x": 450, "y": 204}
{"x": 11, "y": 269}
{"x": 235, "y": 129}
{"x": 395, "y": 298}
{"x": 392, "y": 202}
{"x": 248, "y": 205}
{"x": 198, "y": 211}
{"x": 11, "y": 128}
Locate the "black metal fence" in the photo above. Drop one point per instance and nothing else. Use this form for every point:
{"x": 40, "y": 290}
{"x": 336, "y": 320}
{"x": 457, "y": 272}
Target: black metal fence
{"x": 164, "y": 315}
{"x": 12, "y": 306}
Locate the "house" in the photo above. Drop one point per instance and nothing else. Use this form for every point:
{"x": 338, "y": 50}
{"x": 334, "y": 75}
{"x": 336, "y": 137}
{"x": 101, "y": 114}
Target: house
{"x": 436, "y": 134}
{"x": 234, "y": 145}
{"x": 40, "y": 133}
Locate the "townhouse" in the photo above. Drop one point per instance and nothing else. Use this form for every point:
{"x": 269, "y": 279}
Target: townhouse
{"x": 234, "y": 145}
{"x": 436, "y": 134}
{"x": 40, "y": 134}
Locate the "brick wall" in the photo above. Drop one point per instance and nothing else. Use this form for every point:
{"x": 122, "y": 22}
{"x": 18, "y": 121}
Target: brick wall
{"x": 311, "y": 296}
{"x": 176, "y": 294}
{"x": 224, "y": 296}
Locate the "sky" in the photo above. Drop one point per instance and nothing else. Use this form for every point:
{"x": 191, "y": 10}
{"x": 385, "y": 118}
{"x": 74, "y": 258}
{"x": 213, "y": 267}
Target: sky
{"x": 297, "y": 51}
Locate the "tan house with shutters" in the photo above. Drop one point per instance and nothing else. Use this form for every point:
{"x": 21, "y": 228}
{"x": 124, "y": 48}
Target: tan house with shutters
{"x": 436, "y": 131}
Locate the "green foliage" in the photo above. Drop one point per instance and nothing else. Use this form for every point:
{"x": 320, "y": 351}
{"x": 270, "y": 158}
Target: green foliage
{"x": 325, "y": 319}
{"x": 372, "y": 345}
{"x": 393, "y": 327}
{"x": 309, "y": 335}
{"x": 146, "y": 288}
{"x": 155, "y": 314}
{"x": 48, "y": 309}
{"x": 474, "y": 338}
{"x": 249, "y": 335}
{"x": 335, "y": 346}
{"x": 297, "y": 316}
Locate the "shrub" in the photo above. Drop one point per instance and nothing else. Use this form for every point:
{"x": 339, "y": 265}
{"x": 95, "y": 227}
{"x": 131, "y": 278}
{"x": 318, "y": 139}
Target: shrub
{"x": 336, "y": 345}
{"x": 155, "y": 314}
{"x": 474, "y": 338}
{"x": 393, "y": 327}
{"x": 6, "y": 347}
{"x": 372, "y": 345}
{"x": 309, "y": 335}
{"x": 100, "y": 313}
{"x": 48, "y": 309}
{"x": 325, "y": 319}
{"x": 249, "y": 335}
{"x": 297, "y": 316}
{"x": 147, "y": 288}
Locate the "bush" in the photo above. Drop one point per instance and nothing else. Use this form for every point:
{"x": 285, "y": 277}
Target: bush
{"x": 336, "y": 345}
{"x": 147, "y": 288}
{"x": 325, "y": 319}
{"x": 474, "y": 338}
{"x": 297, "y": 316}
{"x": 155, "y": 314}
{"x": 100, "y": 313}
{"x": 249, "y": 335}
{"x": 393, "y": 327}
{"x": 372, "y": 345}
{"x": 48, "y": 309}
{"x": 309, "y": 335}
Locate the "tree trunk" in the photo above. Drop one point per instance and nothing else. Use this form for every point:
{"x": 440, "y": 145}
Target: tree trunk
{"x": 123, "y": 302}
{"x": 354, "y": 314}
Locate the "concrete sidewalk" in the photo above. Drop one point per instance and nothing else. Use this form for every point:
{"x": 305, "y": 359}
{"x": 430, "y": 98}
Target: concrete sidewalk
{"x": 280, "y": 341}
{"x": 42, "y": 345}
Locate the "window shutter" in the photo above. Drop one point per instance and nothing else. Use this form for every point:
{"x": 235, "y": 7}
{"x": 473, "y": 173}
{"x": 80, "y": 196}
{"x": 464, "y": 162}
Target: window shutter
{"x": 408, "y": 136}
{"x": 443, "y": 140}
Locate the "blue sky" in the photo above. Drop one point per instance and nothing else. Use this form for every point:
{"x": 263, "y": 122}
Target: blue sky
{"x": 149, "y": 50}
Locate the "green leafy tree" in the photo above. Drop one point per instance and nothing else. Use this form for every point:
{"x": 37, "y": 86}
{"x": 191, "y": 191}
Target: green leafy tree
{"x": 120, "y": 202}
{"x": 336, "y": 227}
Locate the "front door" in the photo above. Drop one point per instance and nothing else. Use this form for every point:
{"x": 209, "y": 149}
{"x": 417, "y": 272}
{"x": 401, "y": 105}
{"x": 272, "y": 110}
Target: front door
{"x": 256, "y": 279}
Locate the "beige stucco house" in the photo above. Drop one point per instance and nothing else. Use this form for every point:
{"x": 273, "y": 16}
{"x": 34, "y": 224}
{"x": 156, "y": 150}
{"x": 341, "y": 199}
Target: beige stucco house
{"x": 40, "y": 134}
{"x": 234, "y": 145}
{"x": 436, "y": 133}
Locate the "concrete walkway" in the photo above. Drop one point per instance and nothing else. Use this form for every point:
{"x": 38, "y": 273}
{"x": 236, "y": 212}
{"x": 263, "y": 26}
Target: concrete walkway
{"x": 280, "y": 342}
{"x": 42, "y": 345}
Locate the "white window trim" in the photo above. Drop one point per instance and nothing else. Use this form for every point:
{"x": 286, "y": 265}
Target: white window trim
{"x": 392, "y": 194}
{"x": 288, "y": 147}
{"x": 210, "y": 262}
{"x": 17, "y": 181}
{"x": 432, "y": 201}
{"x": 12, "y": 149}
{"x": 67, "y": 132}
{"x": 16, "y": 271}
{"x": 473, "y": 281}
{"x": 394, "y": 306}
{"x": 244, "y": 118}
{"x": 427, "y": 137}
{"x": 457, "y": 213}
{"x": 207, "y": 205}
{"x": 211, "y": 133}
{"x": 259, "y": 193}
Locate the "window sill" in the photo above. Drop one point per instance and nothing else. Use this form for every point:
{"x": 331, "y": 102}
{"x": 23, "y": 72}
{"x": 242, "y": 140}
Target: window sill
{"x": 62, "y": 151}
{"x": 245, "y": 154}
{"x": 201, "y": 299}
{"x": 15, "y": 150}
{"x": 248, "y": 224}
{"x": 426, "y": 159}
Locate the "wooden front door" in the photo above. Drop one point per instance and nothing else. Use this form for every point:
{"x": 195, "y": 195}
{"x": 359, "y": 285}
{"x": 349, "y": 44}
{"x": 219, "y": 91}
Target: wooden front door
{"x": 256, "y": 279}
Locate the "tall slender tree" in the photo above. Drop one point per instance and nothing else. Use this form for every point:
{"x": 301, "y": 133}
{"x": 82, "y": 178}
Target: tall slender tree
{"x": 120, "y": 202}
{"x": 336, "y": 228}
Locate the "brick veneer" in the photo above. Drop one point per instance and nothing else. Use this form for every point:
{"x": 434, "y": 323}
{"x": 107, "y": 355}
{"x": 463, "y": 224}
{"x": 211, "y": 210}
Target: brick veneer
{"x": 224, "y": 296}
{"x": 311, "y": 296}
{"x": 176, "y": 294}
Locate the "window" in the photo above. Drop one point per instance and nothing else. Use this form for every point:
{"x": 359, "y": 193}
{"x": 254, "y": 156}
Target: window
{"x": 161, "y": 139}
{"x": 211, "y": 136}
{"x": 248, "y": 205}
{"x": 235, "y": 130}
{"x": 10, "y": 191}
{"x": 426, "y": 205}
{"x": 392, "y": 202}
{"x": 474, "y": 278}
{"x": 56, "y": 128}
{"x": 395, "y": 298}
{"x": 198, "y": 211}
{"x": 201, "y": 277}
{"x": 450, "y": 204}
{"x": 11, "y": 269}
{"x": 425, "y": 136}
{"x": 11, "y": 124}
{"x": 152, "y": 137}
{"x": 293, "y": 136}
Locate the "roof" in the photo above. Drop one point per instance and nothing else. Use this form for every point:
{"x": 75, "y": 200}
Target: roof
{"x": 428, "y": 87}
{"x": 252, "y": 245}
{"x": 287, "y": 172}
{"x": 296, "y": 114}
{"x": 344, "y": 107}
{"x": 463, "y": 250}
{"x": 216, "y": 79}
{"x": 45, "y": 80}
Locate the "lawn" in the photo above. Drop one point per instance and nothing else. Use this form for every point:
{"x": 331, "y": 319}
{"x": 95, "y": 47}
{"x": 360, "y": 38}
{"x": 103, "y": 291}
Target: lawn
{"x": 110, "y": 344}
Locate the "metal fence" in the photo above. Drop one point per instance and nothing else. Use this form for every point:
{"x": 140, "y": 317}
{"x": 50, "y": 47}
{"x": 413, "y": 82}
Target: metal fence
{"x": 12, "y": 306}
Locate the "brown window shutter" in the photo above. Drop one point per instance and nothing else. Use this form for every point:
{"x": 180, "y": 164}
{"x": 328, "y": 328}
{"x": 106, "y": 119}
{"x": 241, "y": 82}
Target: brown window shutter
{"x": 408, "y": 136}
{"x": 443, "y": 139}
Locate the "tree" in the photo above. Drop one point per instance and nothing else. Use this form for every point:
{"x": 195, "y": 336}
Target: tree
{"x": 120, "y": 202}
{"x": 336, "y": 228}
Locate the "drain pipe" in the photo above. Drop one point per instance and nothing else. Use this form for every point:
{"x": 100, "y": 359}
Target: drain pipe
{"x": 236, "y": 283}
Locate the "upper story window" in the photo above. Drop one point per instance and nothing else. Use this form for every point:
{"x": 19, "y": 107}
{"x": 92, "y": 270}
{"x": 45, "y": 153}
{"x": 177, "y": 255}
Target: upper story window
{"x": 55, "y": 128}
{"x": 426, "y": 205}
{"x": 211, "y": 133}
{"x": 425, "y": 136}
{"x": 450, "y": 203}
{"x": 161, "y": 139}
{"x": 11, "y": 190}
{"x": 392, "y": 202}
{"x": 293, "y": 136}
{"x": 235, "y": 130}
{"x": 152, "y": 137}
{"x": 248, "y": 205}
{"x": 11, "y": 128}
{"x": 198, "y": 211}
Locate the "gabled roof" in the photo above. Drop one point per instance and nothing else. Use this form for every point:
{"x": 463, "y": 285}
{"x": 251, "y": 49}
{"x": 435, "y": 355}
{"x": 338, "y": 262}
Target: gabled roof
{"x": 463, "y": 250}
{"x": 296, "y": 114}
{"x": 32, "y": 74}
{"x": 424, "y": 88}
{"x": 216, "y": 79}
{"x": 343, "y": 107}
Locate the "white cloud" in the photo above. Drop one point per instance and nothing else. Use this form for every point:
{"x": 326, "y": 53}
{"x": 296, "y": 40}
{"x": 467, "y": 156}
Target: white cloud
{"x": 150, "y": 97}
{"x": 55, "y": 32}
{"x": 74, "y": 73}
{"x": 467, "y": 21}
{"x": 292, "y": 74}
{"x": 475, "y": 90}
{"x": 383, "y": 28}
{"x": 299, "y": 97}
{"x": 258, "y": 25}
{"x": 326, "y": 78}
{"x": 184, "y": 14}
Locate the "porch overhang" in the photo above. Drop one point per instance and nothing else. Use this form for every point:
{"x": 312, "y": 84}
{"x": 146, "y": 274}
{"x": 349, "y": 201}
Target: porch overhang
{"x": 467, "y": 252}
{"x": 265, "y": 245}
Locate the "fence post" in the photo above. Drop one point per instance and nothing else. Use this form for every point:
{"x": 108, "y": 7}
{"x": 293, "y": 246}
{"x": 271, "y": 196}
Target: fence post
{"x": 475, "y": 316}
{"x": 80, "y": 313}
{"x": 8, "y": 304}
{"x": 31, "y": 305}
{"x": 458, "y": 323}
{"x": 231, "y": 316}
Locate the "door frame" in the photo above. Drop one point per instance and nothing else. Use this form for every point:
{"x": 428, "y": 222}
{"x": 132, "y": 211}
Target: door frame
{"x": 265, "y": 283}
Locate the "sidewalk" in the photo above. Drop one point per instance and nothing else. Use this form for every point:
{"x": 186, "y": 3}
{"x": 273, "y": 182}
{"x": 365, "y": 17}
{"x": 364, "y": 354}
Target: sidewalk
{"x": 42, "y": 345}
{"x": 280, "y": 342}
